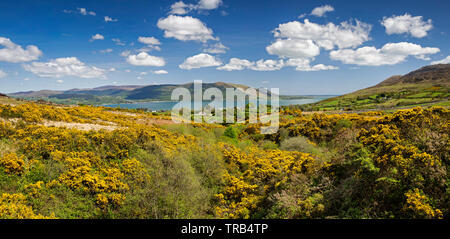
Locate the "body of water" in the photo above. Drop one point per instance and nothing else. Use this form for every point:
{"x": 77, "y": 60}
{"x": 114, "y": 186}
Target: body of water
{"x": 169, "y": 105}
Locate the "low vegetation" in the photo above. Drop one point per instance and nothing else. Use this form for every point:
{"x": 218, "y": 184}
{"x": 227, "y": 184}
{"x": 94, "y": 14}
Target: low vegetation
{"x": 367, "y": 165}
{"x": 386, "y": 97}
{"x": 426, "y": 86}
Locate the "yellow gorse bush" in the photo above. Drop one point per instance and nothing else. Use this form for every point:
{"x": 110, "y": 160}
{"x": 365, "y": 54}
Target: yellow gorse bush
{"x": 252, "y": 176}
{"x": 33, "y": 188}
{"x": 418, "y": 203}
{"x": 87, "y": 173}
{"x": 13, "y": 206}
{"x": 112, "y": 199}
{"x": 12, "y": 163}
{"x": 134, "y": 170}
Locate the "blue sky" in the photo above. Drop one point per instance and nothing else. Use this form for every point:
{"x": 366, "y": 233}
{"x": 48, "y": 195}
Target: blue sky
{"x": 300, "y": 47}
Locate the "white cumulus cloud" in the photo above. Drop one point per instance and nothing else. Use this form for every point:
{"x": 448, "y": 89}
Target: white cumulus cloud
{"x": 199, "y": 61}
{"x": 415, "y": 26}
{"x": 300, "y": 64}
{"x": 298, "y": 43}
{"x": 182, "y": 8}
{"x": 144, "y": 59}
{"x": 109, "y": 19}
{"x": 443, "y": 61}
{"x": 293, "y": 48}
{"x": 84, "y": 11}
{"x": 209, "y": 4}
{"x": 61, "y": 67}
{"x": 320, "y": 11}
{"x": 97, "y": 37}
{"x": 160, "y": 72}
{"x": 304, "y": 65}
{"x": 185, "y": 28}
{"x": 267, "y": 65}
{"x": 236, "y": 64}
{"x": 217, "y": 48}
{"x": 389, "y": 54}
{"x": 326, "y": 36}
{"x": 151, "y": 42}
{"x": 14, "y": 53}
{"x": 319, "y": 67}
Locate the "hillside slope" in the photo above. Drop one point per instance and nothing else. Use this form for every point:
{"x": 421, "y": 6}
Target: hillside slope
{"x": 425, "y": 86}
{"x": 118, "y": 94}
{"x": 164, "y": 92}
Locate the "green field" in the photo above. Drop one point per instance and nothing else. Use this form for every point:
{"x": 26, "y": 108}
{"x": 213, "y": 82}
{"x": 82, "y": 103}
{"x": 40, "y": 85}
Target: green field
{"x": 386, "y": 97}
{"x": 429, "y": 85}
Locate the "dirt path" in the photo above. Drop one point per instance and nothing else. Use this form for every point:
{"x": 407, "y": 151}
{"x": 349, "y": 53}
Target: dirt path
{"x": 80, "y": 126}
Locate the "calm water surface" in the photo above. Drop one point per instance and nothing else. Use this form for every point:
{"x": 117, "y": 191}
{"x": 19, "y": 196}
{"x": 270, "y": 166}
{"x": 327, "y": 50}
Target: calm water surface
{"x": 169, "y": 105}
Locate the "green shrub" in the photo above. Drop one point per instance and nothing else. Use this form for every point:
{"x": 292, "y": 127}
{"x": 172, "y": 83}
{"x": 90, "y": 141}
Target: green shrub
{"x": 299, "y": 143}
{"x": 231, "y": 132}
{"x": 343, "y": 123}
{"x": 268, "y": 145}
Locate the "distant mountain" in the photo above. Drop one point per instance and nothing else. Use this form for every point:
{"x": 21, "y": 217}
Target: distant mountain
{"x": 120, "y": 87}
{"x": 36, "y": 94}
{"x": 163, "y": 92}
{"x": 120, "y": 94}
{"x": 434, "y": 74}
{"x": 108, "y": 90}
{"x": 427, "y": 85}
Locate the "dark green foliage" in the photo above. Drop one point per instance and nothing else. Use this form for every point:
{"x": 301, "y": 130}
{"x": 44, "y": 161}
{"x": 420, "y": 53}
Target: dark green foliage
{"x": 231, "y": 132}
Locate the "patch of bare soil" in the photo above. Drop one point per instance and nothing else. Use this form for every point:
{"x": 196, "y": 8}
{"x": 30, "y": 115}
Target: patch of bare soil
{"x": 80, "y": 126}
{"x": 123, "y": 113}
{"x": 145, "y": 120}
{"x": 150, "y": 121}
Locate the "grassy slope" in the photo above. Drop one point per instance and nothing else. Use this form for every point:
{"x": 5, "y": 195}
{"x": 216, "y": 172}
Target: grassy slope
{"x": 395, "y": 92}
{"x": 9, "y": 101}
{"x": 387, "y": 97}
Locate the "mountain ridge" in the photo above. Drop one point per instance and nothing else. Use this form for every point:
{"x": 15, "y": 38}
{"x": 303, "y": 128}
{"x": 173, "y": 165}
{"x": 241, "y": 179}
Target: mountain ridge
{"x": 120, "y": 94}
{"x": 433, "y": 74}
